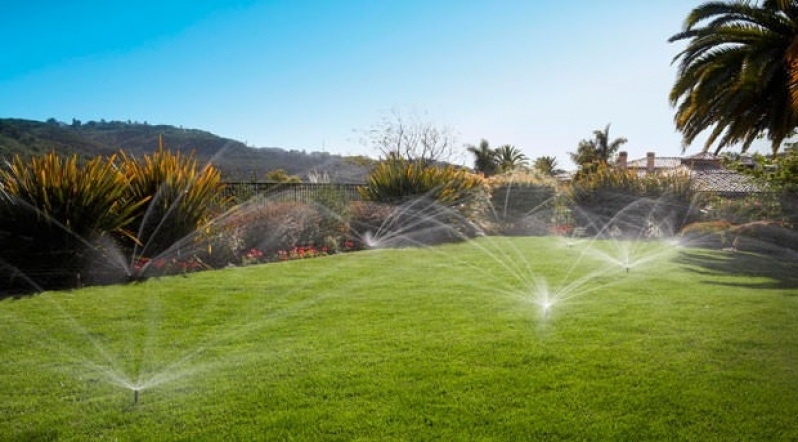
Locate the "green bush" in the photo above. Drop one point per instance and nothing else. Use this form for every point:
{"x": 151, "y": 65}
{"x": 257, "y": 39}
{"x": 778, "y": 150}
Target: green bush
{"x": 65, "y": 223}
{"x": 59, "y": 221}
{"x": 743, "y": 209}
{"x": 521, "y": 204}
{"x": 182, "y": 198}
{"x": 788, "y": 200}
{"x": 421, "y": 221}
{"x": 713, "y": 234}
{"x": 630, "y": 201}
{"x": 769, "y": 237}
{"x": 429, "y": 204}
{"x": 781, "y": 178}
{"x": 397, "y": 181}
{"x": 369, "y": 215}
{"x": 334, "y": 208}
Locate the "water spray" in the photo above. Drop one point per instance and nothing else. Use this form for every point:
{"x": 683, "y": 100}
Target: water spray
{"x": 546, "y": 307}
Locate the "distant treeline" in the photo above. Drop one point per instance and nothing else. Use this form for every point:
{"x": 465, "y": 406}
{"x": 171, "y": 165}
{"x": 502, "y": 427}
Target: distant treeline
{"x": 236, "y": 160}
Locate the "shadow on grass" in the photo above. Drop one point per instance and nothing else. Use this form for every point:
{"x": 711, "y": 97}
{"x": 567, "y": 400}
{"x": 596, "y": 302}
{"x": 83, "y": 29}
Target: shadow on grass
{"x": 17, "y": 293}
{"x": 779, "y": 271}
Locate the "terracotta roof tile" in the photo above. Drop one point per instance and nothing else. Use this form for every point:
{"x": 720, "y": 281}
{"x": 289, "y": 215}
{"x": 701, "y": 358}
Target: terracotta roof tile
{"x": 659, "y": 163}
{"x": 706, "y": 172}
{"x": 722, "y": 180}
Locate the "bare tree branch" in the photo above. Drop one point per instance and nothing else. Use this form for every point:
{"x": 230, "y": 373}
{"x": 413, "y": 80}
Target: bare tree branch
{"x": 410, "y": 137}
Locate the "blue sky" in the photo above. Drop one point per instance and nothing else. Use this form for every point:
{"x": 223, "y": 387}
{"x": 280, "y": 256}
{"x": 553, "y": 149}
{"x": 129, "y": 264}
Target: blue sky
{"x": 310, "y": 75}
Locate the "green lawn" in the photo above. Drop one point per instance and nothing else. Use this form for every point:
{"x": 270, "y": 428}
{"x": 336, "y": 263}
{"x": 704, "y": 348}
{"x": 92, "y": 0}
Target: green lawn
{"x": 447, "y": 343}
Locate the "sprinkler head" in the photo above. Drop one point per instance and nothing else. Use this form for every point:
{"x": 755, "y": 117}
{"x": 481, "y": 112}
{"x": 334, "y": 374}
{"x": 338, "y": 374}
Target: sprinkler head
{"x": 546, "y": 307}
{"x": 135, "y": 395}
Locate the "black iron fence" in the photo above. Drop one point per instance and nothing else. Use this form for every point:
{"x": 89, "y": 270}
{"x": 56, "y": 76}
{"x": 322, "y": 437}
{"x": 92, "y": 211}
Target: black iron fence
{"x": 304, "y": 192}
{"x": 737, "y": 206}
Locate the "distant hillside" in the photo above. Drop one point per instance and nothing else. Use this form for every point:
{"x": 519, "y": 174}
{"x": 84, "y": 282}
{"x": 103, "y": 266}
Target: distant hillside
{"x": 237, "y": 161}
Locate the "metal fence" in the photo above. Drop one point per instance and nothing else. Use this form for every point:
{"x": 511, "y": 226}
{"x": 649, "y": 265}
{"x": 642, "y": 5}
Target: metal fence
{"x": 304, "y": 192}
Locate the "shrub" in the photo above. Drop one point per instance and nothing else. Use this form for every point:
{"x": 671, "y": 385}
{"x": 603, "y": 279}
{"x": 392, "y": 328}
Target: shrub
{"x": 182, "y": 198}
{"x": 58, "y": 219}
{"x": 744, "y": 209}
{"x": 397, "y": 181}
{"x": 780, "y": 177}
{"x": 764, "y": 237}
{"x": 628, "y": 200}
{"x": 788, "y": 200}
{"x": 421, "y": 221}
{"x": 368, "y": 215}
{"x": 770, "y": 237}
{"x": 521, "y": 204}
{"x": 333, "y": 205}
{"x": 707, "y": 233}
{"x": 268, "y": 227}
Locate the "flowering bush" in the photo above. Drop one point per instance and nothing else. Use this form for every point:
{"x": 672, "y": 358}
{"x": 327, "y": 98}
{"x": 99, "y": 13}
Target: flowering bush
{"x": 145, "y": 267}
{"x": 301, "y": 252}
{"x": 562, "y": 229}
{"x": 252, "y": 256}
{"x": 275, "y": 230}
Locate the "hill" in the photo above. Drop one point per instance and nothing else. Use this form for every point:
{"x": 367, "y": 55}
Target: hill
{"x": 237, "y": 161}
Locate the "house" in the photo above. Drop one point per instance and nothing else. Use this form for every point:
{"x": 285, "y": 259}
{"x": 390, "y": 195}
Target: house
{"x": 706, "y": 172}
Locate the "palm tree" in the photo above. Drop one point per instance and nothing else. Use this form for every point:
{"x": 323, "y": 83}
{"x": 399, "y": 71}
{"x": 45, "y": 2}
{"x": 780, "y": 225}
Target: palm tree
{"x": 599, "y": 150}
{"x": 546, "y": 165}
{"x": 485, "y": 158}
{"x": 606, "y": 149}
{"x": 738, "y": 75}
{"x": 510, "y": 158}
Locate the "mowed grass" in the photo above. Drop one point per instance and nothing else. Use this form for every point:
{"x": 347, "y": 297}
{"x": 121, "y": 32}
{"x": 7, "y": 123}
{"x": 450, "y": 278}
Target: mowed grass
{"x": 445, "y": 343}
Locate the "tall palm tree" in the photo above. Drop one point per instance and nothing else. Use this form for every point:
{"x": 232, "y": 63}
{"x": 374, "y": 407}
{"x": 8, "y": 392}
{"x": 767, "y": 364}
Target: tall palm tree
{"x": 599, "y": 150}
{"x": 606, "y": 149}
{"x": 510, "y": 158}
{"x": 484, "y": 158}
{"x": 738, "y": 75}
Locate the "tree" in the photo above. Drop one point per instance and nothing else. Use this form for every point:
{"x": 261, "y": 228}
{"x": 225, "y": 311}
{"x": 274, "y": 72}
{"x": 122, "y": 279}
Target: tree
{"x": 600, "y": 150}
{"x": 738, "y": 75}
{"x": 484, "y": 158}
{"x": 411, "y": 138}
{"x": 510, "y": 158}
{"x": 546, "y": 165}
{"x": 281, "y": 176}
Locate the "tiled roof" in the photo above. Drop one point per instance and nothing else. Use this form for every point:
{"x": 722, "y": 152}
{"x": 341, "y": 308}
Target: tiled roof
{"x": 706, "y": 172}
{"x": 659, "y": 163}
{"x": 721, "y": 180}
{"x": 702, "y": 156}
